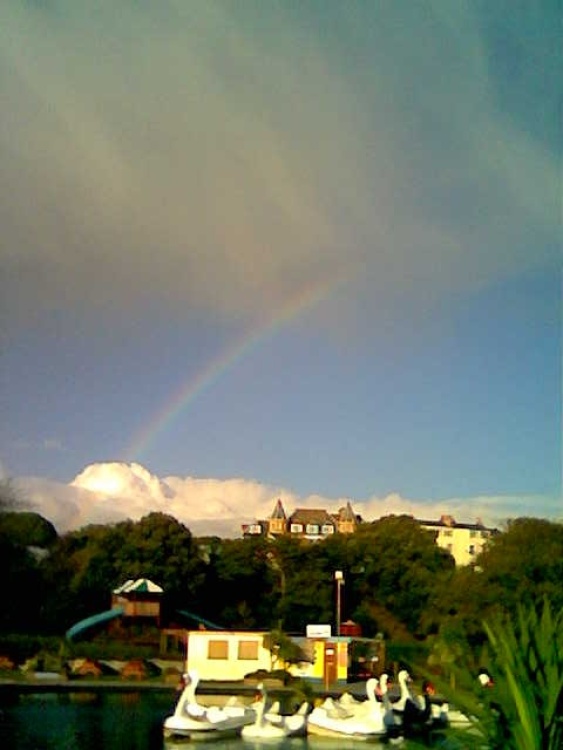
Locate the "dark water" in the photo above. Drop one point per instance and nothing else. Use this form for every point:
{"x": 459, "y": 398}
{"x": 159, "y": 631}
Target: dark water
{"x": 84, "y": 721}
{"x": 117, "y": 721}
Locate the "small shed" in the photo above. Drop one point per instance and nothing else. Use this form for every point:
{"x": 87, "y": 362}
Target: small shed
{"x": 227, "y": 655}
{"x": 138, "y": 598}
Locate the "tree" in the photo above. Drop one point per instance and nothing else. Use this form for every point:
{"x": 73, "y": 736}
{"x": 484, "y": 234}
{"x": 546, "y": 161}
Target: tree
{"x": 28, "y": 528}
{"x": 396, "y": 565}
{"x": 243, "y": 583}
{"x": 21, "y": 583}
{"x": 522, "y": 565}
{"x": 525, "y": 563}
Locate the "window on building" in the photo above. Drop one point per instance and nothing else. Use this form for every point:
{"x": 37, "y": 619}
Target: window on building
{"x": 328, "y": 528}
{"x": 472, "y": 534}
{"x": 247, "y": 650}
{"x": 312, "y": 528}
{"x": 447, "y": 532}
{"x": 471, "y": 549}
{"x": 254, "y": 528}
{"x": 296, "y": 528}
{"x": 218, "y": 649}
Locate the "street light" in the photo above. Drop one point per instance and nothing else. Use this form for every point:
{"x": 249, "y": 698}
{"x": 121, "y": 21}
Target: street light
{"x": 339, "y": 578}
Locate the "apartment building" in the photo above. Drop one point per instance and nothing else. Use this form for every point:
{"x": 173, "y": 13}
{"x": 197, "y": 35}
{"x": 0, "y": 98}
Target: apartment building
{"x": 464, "y": 541}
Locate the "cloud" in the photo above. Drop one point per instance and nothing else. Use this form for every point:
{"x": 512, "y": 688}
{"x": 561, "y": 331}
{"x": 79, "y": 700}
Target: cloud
{"x": 215, "y": 157}
{"x": 110, "y": 492}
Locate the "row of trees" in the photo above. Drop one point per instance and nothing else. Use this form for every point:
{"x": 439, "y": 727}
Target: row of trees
{"x": 397, "y": 580}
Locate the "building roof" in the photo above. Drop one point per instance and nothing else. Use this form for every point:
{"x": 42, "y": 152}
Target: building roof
{"x": 346, "y": 513}
{"x": 141, "y": 585}
{"x": 279, "y": 511}
{"x": 451, "y": 523}
{"x": 311, "y": 515}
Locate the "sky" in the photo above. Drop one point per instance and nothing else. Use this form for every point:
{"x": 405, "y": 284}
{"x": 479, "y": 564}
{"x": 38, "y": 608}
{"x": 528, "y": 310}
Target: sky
{"x": 263, "y": 249}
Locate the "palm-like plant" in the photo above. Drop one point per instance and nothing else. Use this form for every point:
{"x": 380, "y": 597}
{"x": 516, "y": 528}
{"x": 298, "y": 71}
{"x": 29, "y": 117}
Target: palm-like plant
{"x": 528, "y": 677}
{"x": 523, "y": 707}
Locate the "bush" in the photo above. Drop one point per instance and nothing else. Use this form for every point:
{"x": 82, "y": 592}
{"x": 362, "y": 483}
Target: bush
{"x": 20, "y": 648}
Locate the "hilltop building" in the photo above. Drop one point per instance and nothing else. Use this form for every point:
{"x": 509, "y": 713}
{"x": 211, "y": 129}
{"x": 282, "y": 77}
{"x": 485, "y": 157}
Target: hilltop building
{"x": 304, "y": 523}
{"x": 464, "y": 541}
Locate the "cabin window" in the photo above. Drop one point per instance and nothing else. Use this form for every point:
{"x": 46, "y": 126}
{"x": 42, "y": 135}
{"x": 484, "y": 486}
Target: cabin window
{"x": 312, "y": 528}
{"x": 248, "y": 650}
{"x": 218, "y": 650}
{"x": 296, "y": 528}
{"x": 328, "y": 528}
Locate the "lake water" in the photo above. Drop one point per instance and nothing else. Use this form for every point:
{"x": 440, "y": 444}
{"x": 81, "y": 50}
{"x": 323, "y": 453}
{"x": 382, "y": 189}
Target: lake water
{"x": 109, "y": 720}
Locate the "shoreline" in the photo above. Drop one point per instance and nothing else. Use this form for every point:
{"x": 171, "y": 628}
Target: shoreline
{"x": 57, "y": 683}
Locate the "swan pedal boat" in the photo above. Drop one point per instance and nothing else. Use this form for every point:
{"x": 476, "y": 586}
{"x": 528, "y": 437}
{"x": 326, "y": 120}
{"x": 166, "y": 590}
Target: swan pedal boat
{"x": 271, "y": 724}
{"x": 196, "y": 723}
{"x": 365, "y": 720}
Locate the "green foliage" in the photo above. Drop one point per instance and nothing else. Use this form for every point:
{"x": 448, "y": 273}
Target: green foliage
{"x": 523, "y": 708}
{"x": 20, "y": 648}
{"x": 109, "y": 650}
{"x": 525, "y": 564}
{"x": 395, "y": 562}
{"x": 27, "y": 529}
{"x": 283, "y": 648}
{"x": 406, "y": 655}
{"x": 240, "y": 581}
{"x": 527, "y": 668}
{"x": 21, "y": 586}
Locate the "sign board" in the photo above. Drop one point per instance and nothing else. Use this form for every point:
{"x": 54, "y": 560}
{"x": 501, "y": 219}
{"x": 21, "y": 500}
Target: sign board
{"x": 318, "y": 631}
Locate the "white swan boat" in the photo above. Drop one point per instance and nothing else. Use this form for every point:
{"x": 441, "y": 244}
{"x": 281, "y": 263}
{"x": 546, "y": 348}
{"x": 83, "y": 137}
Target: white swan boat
{"x": 364, "y": 721}
{"x": 194, "y": 722}
{"x": 271, "y": 724}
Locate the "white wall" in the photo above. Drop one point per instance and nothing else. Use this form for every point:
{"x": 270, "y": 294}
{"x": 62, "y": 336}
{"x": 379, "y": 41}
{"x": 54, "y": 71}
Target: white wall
{"x": 232, "y": 667}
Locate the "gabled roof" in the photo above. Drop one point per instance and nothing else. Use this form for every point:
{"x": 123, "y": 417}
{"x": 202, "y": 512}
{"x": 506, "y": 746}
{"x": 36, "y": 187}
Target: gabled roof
{"x": 141, "y": 585}
{"x": 311, "y": 515}
{"x": 279, "y": 512}
{"x": 346, "y": 513}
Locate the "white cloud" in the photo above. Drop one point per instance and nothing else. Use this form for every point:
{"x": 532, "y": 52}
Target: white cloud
{"x": 110, "y": 492}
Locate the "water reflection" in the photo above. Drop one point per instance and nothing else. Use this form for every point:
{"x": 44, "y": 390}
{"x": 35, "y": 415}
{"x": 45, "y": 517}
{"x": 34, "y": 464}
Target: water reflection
{"x": 119, "y": 721}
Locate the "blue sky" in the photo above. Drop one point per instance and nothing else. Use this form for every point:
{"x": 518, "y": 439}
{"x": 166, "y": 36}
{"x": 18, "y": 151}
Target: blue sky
{"x": 353, "y": 209}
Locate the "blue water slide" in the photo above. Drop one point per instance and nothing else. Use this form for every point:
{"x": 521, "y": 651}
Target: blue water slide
{"x": 90, "y": 622}
{"x": 199, "y": 620}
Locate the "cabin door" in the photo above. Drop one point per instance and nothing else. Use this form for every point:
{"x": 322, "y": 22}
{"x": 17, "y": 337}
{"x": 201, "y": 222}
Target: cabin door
{"x": 330, "y": 664}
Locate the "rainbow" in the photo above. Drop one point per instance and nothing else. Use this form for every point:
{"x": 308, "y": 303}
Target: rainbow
{"x": 189, "y": 390}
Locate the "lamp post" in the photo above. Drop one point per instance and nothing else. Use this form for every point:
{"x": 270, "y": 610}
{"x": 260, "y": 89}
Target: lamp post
{"x": 339, "y": 578}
